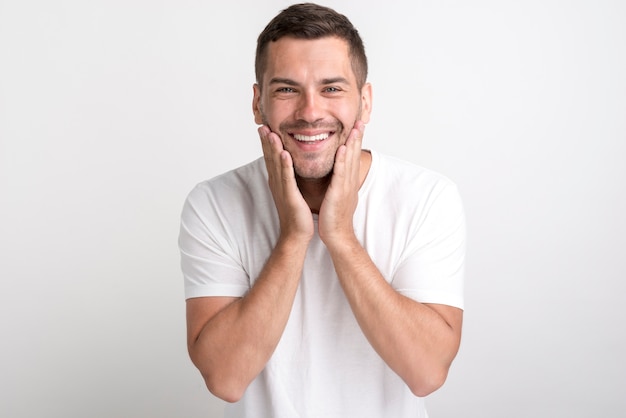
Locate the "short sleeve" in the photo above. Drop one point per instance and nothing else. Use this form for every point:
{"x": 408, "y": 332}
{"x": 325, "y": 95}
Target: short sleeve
{"x": 209, "y": 263}
{"x": 433, "y": 269}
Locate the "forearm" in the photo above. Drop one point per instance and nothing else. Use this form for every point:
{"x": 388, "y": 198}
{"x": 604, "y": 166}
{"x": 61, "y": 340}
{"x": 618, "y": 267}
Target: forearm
{"x": 412, "y": 338}
{"x": 234, "y": 345}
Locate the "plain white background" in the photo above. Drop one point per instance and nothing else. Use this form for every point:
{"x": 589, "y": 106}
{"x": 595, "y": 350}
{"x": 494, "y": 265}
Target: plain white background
{"x": 111, "y": 111}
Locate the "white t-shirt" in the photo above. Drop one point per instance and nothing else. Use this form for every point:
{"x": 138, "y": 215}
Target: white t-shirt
{"x": 410, "y": 221}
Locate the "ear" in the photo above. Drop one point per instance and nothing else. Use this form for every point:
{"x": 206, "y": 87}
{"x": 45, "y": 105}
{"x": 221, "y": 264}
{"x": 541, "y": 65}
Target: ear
{"x": 256, "y": 104}
{"x": 366, "y": 102}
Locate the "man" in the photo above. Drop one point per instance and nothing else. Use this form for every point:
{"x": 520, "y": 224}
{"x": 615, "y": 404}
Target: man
{"x": 323, "y": 280}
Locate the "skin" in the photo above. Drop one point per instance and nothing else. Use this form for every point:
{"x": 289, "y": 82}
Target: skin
{"x": 310, "y": 89}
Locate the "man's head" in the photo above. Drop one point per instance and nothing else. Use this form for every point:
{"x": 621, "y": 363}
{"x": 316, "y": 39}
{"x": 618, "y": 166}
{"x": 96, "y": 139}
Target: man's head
{"x": 311, "y": 87}
{"x": 311, "y": 21}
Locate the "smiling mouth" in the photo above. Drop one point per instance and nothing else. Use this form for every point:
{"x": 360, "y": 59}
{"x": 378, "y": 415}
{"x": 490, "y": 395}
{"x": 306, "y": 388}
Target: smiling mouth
{"x": 311, "y": 139}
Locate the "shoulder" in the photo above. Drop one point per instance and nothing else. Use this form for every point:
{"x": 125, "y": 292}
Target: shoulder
{"x": 407, "y": 178}
{"x": 407, "y": 193}
{"x": 240, "y": 177}
{"x": 238, "y": 191}
{"x": 234, "y": 184}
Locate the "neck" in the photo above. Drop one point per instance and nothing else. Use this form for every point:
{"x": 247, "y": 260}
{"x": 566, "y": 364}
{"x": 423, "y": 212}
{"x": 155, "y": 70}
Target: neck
{"x": 313, "y": 191}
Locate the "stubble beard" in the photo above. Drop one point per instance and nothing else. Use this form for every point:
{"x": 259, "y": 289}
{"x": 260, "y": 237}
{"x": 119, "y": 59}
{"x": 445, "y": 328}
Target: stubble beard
{"x": 305, "y": 166}
{"x": 320, "y": 171}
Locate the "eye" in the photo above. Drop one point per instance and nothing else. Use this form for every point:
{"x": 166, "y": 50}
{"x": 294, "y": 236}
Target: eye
{"x": 285, "y": 90}
{"x": 332, "y": 89}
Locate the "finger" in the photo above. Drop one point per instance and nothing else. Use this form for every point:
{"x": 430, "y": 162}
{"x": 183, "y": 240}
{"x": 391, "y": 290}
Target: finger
{"x": 264, "y": 132}
{"x": 287, "y": 172}
{"x": 353, "y": 151}
{"x": 340, "y": 161}
{"x": 276, "y": 144}
{"x": 272, "y": 148}
{"x": 278, "y": 161}
{"x": 355, "y": 139}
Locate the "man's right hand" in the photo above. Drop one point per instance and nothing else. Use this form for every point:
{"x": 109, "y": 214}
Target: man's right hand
{"x": 231, "y": 339}
{"x": 293, "y": 211}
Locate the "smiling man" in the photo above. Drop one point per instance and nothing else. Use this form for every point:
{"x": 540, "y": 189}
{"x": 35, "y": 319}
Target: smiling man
{"x": 323, "y": 280}
{"x": 309, "y": 95}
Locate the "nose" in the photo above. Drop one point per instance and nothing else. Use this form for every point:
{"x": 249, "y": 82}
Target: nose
{"x": 309, "y": 108}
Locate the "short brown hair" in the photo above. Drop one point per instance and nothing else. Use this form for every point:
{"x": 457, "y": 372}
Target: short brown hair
{"x": 311, "y": 21}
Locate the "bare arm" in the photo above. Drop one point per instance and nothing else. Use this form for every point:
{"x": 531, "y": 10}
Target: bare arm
{"x": 416, "y": 340}
{"x": 231, "y": 339}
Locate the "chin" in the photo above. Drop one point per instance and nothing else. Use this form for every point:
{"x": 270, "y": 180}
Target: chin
{"x": 314, "y": 173}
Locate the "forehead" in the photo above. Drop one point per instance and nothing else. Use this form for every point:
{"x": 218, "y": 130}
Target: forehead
{"x": 305, "y": 59}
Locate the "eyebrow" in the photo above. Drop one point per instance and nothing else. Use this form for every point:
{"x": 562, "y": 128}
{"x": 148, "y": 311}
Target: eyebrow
{"x": 335, "y": 80}
{"x": 287, "y": 81}
{"x": 290, "y": 82}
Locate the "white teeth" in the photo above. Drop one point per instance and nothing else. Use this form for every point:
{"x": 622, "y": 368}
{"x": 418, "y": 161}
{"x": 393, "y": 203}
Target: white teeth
{"x": 315, "y": 138}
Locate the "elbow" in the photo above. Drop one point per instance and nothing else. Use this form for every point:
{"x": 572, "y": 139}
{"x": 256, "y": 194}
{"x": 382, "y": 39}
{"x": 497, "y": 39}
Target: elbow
{"x": 424, "y": 385}
{"x": 222, "y": 381}
{"x": 225, "y": 389}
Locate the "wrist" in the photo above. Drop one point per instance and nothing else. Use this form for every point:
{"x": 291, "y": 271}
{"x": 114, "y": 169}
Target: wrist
{"x": 293, "y": 241}
{"x": 341, "y": 242}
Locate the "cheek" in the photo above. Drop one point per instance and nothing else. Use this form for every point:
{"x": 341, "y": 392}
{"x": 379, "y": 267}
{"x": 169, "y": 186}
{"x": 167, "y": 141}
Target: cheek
{"x": 351, "y": 111}
{"x": 265, "y": 114}
{"x": 275, "y": 111}
{"x": 262, "y": 117}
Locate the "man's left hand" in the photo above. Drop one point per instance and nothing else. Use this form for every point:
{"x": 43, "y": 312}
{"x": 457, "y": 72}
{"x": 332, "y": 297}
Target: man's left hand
{"x": 340, "y": 201}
